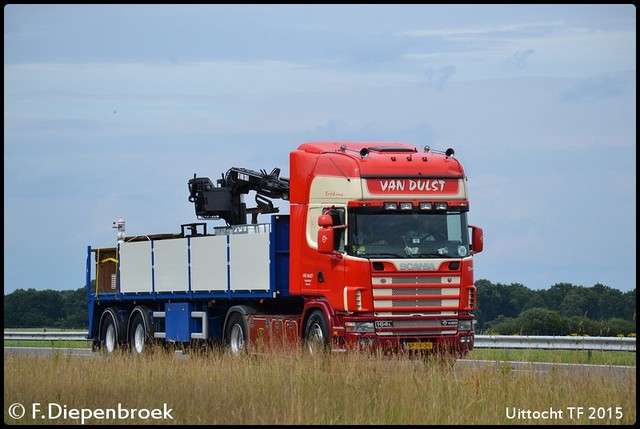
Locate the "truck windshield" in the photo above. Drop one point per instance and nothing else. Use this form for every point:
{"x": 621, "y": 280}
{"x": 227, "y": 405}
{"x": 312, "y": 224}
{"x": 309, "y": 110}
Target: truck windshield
{"x": 380, "y": 234}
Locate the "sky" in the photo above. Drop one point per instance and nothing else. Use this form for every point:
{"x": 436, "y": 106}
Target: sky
{"x": 109, "y": 110}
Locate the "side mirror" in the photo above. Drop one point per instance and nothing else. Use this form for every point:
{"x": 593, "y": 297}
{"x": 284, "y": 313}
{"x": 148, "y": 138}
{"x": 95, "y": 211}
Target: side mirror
{"x": 329, "y": 233}
{"x": 477, "y": 239}
{"x": 325, "y": 241}
{"x": 325, "y": 220}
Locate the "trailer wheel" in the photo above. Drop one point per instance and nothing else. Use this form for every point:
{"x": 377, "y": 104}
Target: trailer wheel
{"x": 138, "y": 337}
{"x": 109, "y": 334}
{"x": 236, "y": 335}
{"x": 316, "y": 336}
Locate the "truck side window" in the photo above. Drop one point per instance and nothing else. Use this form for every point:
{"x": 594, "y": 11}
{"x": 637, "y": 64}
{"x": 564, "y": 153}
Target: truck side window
{"x": 338, "y": 215}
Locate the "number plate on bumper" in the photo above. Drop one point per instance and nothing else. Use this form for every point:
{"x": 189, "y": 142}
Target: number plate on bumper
{"x": 418, "y": 345}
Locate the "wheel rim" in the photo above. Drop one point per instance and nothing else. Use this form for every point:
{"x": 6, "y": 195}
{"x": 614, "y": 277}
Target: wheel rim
{"x": 236, "y": 339}
{"x": 139, "y": 338}
{"x": 315, "y": 339}
{"x": 110, "y": 338}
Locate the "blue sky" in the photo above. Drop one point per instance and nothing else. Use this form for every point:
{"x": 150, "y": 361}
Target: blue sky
{"x": 109, "y": 110}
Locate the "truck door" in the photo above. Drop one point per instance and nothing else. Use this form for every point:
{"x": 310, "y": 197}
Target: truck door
{"x": 329, "y": 259}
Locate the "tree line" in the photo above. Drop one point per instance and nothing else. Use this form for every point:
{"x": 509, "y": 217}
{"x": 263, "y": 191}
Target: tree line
{"x": 32, "y": 308}
{"x": 563, "y": 309}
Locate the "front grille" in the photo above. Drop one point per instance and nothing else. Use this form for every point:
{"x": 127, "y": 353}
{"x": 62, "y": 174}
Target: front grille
{"x": 414, "y": 291}
{"x": 417, "y": 327}
{"x": 417, "y": 305}
{"x": 414, "y": 303}
{"x": 416, "y": 280}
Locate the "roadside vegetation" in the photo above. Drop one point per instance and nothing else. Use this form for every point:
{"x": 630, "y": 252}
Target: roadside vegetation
{"x": 556, "y": 356}
{"x": 551, "y": 356}
{"x": 214, "y": 388}
{"x": 513, "y": 309}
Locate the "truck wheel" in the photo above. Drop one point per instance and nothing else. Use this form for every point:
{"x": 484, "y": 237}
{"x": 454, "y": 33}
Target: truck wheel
{"x": 236, "y": 335}
{"x": 109, "y": 334}
{"x": 316, "y": 336}
{"x": 138, "y": 337}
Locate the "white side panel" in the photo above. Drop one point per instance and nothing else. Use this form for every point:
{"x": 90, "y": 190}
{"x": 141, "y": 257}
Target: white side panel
{"x": 249, "y": 262}
{"x": 170, "y": 265}
{"x": 209, "y": 263}
{"x": 135, "y": 267}
{"x": 334, "y": 190}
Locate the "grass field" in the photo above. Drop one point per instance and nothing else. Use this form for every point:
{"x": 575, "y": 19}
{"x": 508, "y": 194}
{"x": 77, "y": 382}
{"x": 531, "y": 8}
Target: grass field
{"x": 553, "y": 356}
{"x": 214, "y": 388}
{"x": 556, "y": 356}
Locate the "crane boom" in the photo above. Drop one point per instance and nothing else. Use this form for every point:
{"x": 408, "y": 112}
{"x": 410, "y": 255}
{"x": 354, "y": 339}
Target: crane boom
{"x": 226, "y": 200}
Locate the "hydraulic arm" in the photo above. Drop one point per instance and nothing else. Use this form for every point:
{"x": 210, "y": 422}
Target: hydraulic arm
{"x": 226, "y": 200}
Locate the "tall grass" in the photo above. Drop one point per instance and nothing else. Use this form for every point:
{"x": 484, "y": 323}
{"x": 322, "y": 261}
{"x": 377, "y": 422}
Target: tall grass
{"x": 595, "y": 357}
{"x": 213, "y": 388}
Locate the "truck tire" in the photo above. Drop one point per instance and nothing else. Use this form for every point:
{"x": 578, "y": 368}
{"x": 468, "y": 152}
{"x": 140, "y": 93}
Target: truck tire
{"x": 138, "y": 335}
{"x": 316, "y": 337}
{"x": 110, "y": 332}
{"x": 236, "y": 335}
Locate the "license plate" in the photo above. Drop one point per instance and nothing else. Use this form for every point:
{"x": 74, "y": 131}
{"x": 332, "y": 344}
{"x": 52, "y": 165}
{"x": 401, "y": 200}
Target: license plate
{"x": 419, "y": 346}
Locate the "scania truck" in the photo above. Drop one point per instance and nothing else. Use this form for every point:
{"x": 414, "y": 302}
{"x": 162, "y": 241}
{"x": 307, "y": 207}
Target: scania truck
{"x": 375, "y": 254}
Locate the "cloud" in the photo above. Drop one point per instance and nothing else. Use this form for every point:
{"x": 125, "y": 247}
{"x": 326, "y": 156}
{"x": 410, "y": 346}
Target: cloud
{"x": 573, "y": 48}
{"x": 597, "y": 88}
{"x": 439, "y": 76}
{"x": 519, "y": 60}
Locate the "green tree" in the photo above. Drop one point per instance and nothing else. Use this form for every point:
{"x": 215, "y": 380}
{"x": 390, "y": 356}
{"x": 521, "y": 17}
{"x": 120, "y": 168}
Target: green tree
{"x": 580, "y": 301}
{"x": 489, "y": 302}
{"x": 515, "y": 297}
{"x": 555, "y": 295}
{"x": 502, "y": 325}
{"x": 627, "y": 305}
{"x": 579, "y": 325}
{"x": 614, "y": 327}
{"x": 39, "y": 309}
{"x": 539, "y": 321}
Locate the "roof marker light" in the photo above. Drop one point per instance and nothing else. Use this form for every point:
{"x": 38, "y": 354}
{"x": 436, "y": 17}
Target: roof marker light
{"x": 406, "y": 206}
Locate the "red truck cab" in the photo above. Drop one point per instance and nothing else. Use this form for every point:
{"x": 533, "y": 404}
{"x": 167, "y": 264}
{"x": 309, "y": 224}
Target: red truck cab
{"x": 360, "y": 252}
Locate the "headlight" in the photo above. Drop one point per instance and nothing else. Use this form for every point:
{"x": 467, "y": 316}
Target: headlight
{"x": 464, "y": 325}
{"x": 359, "y": 327}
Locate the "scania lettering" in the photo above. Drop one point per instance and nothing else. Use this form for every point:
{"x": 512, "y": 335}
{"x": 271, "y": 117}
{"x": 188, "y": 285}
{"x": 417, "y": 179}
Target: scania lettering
{"x": 375, "y": 252}
{"x": 419, "y": 266}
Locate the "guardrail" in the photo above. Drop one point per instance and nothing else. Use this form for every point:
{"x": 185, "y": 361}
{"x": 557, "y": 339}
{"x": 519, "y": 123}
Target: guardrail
{"x": 45, "y": 336}
{"x": 481, "y": 341}
{"x": 555, "y": 343}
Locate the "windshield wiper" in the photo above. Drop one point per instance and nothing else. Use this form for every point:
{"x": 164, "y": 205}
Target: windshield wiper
{"x": 382, "y": 254}
{"x": 430, "y": 255}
